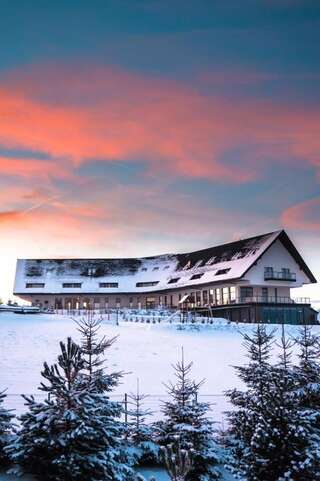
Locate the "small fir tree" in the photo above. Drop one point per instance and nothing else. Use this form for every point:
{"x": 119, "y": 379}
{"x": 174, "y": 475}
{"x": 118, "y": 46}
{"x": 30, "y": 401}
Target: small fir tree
{"x": 140, "y": 434}
{"x": 6, "y": 430}
{"x": 74, "y": 435}
{"x": 186, "y": 418}
{"x": 93, "y": 354}
{"x": 270, "y": 438}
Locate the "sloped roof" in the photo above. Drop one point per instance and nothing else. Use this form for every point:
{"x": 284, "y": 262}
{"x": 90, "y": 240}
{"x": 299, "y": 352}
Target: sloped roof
{"x": 225, "y": 262}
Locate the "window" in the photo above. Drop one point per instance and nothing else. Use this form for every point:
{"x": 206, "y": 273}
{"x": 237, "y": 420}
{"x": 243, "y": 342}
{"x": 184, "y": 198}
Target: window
{"x": 144, "y": 269}
{"x": 166, "y": 267}
{"x": 222, "y": 271}
{"x": 195, "y": 276}
{"x": 205, "y": 297}
{"x": 147, "y": 284}
{"x": 108, "y": 284}
{"x": 34, "y": 284}
{"x": 264, "y": 294}
{"x": 211, "y": 297}
{"x": 225, "y": 295}
{"x": 218, "y": 296}
{"x": 72, "y": 284}
{"x": 246, "y": 292}
{"x": 232, "y": 294}
{"x": 198, "y": 298}
{"x": 268, "y": 269}
{"x": 174, "y": 280}
{"x": 155, "y": 269}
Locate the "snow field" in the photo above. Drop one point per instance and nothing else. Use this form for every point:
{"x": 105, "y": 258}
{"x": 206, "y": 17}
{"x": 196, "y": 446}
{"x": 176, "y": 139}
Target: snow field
{"x": 144, "y": 351}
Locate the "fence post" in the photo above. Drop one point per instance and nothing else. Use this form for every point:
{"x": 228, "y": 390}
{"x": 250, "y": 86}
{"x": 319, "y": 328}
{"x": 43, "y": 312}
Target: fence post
{"x": 126, "y": 408}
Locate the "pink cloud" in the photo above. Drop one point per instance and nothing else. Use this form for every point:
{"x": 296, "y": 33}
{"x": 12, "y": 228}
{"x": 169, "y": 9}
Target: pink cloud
{"x": 107, "y": 114}
{"x": 303, "y": 216}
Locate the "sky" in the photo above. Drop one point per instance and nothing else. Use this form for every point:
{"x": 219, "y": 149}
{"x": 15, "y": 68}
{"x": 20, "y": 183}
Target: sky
{"x": 140, "y": 127}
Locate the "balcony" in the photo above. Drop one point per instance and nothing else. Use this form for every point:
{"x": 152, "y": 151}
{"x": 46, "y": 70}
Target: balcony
{"x": 260, "y": 300}
{"x": 270, "y": 275}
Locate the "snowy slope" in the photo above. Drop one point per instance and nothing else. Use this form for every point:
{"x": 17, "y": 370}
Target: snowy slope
{"x": 142, "y": 350}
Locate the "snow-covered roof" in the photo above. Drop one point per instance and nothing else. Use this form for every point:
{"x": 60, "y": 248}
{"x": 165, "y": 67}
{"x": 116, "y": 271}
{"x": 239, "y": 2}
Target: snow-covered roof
{"x": 146, "y": 274}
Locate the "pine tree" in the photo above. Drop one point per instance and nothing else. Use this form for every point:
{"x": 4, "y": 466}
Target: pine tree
{"x": 308, "y": 369}
{"x": 140, "y": 434}
{"x": 74, "y": 435}
{"x": 186, "y": 418}
{"x": 269, "y": 436}
{"x": 93, "y": 349}
{"x": 6, "y": 429}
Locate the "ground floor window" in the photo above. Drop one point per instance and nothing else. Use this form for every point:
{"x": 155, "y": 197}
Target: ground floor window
{"x": 225, "y": 295}
{"x": 232, "y": 294}
{"x": 246, "y": 292}
{"x": 205, "y": 297}
{"x": 211, "y": 297}
{"x": 279, "y": 315}
{"x": 150, "y": 302}
{"x": 218, "y": 296}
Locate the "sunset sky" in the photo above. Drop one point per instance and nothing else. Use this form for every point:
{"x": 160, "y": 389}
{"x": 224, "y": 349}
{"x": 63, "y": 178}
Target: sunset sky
{"x": 139, "y": 127}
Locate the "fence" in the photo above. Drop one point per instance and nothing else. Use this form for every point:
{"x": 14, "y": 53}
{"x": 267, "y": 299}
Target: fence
{"x": 218, "y": 404}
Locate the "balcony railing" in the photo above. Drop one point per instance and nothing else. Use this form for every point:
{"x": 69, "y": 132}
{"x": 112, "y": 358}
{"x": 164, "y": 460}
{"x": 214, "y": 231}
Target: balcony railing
{"x": 257, "y": 300}
{"x": 280, "y": 276}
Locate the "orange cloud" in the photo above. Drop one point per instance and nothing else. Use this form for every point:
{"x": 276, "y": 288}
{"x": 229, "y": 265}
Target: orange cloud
{"x": 102, "y": 113}
{"x": 303, "y": 216}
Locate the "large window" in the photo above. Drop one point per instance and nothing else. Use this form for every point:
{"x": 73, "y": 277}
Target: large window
{"x": 205, "y": 297}
{"x": 246, "y": 292}
{"x": 30, "y": 285}
{"x": 218, "y": 296}
{"x": 232, "y": 294}
{"x": 147, "y": 284}
{"x": 225, "y": 295}
{"x": 212, "y": 299}
{"x": 72, "y": 284}
{"x": 198, "y": 298}
{"x": 108, "y": 284}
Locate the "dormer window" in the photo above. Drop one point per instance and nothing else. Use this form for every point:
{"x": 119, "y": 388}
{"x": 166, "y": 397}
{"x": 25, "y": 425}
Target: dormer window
{"x": 174, "y": 280}
{"x": 147, "y": 284}
{"x": 196, "y": 276}
{"x": 220, "y": 272}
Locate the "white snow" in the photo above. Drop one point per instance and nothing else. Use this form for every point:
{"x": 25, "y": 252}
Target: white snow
{"x": 144, "y": 351}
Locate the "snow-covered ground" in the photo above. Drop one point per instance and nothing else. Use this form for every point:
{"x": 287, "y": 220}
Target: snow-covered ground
{"x": 144, "y": 351}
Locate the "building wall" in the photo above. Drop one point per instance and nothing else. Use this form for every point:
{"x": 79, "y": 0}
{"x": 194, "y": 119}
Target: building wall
{"x": 276, "y": 257}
